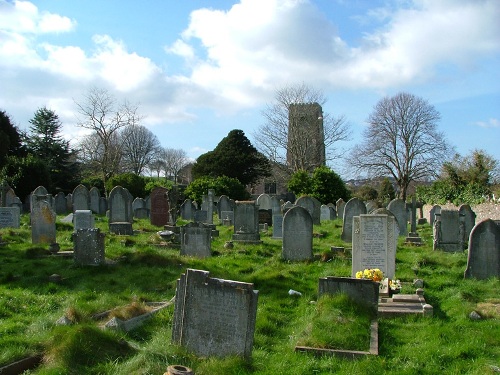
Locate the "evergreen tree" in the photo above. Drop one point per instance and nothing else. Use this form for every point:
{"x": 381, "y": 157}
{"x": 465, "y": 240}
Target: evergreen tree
{"x": 45, "y": 142}
{"x": 10, "y": 139}
{"x": 233, "y": 157}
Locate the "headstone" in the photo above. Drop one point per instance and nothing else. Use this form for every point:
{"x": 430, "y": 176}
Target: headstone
{"x": 187, "y": 210}
{"x": 11, "y": 198}
{"x": 43, "y": 222}
{"x": 4, "y": 188}
{"x": 81, "y": 198}
{"x": 469, "y": 219}
{"x": 275, "y": 205}
{"x": 413, "y": 237}
{"x": 265, "y": 216}
{"x": 449, "y": 228}
{"x": 83, "y": 219}
{"x": 41, "y": 194}
{"x": 69, "y": 202}
{"x": 200, "y": 216}
{"x": 16, "y": 202}
{"x": 362, "y": 291}
{"x": 227, "y": 217}
{"x": 484, "y": 251}
{"x": 339, "y": 207}
{"x": 9, "y": 217}
{"x": 278, "y": 226}
{"x": 141, "y": 213}
{"x": 354, "y": 207}
{"x": 436, "y": 209}
{"x": 264, "y": 202}
{"x": 60, "y": 204}
{"x": 327, "y": 213}
{"x": 374, "y": 242}
{"x": 103, "y": 205}
{"x": 371, "y": 206}
{"x": 286, "y": 206}
{"x": 224, "y": 204}
{"x": 398, "y": 208}
{"x": 246, "y": 222}
{"x": 297, "y": 234}
{"x": 210, "y": 206}
{"x": 95, "y": 196}
{"x": 196, "y": 240}
{"x": 120, "y": 211}
{"x": 312, "y": 205}
{"x": 160, "y": 215}
{"x": 138, "y": 203}
{"x": 214, "y": 317}
{"x": 89, "y": 247}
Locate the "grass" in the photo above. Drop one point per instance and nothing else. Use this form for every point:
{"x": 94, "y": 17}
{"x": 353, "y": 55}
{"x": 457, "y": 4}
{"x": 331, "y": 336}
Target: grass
{"x": 146, "y": 271}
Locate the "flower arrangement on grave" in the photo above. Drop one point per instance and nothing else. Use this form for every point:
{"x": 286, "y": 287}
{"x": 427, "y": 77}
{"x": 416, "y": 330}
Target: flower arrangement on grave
{"x": 371, "y": 274}
{"x": 395, "y": 286}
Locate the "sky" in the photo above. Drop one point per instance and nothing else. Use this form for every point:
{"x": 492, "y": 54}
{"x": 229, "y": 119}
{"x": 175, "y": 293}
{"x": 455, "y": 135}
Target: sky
{"x": 198, "y": 69}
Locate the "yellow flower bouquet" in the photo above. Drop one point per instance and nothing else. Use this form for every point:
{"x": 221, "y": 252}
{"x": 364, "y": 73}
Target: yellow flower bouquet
{"x": 371, "y": 274}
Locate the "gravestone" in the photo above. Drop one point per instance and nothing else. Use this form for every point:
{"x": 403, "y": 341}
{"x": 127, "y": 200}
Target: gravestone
{"x": 371, "y": 206}
{"x": 200, "y": 216}
{"x": 469, "y": 219}
{"x": 227, "y": 217}
{"x": 210, "y": 206}
{"x": 89, "y": 247}
{"x": 312, "y": 205}
{"x": 398, "y": 208}
{"x": 354, "y": 207}
{"x": 9, "y": 217}
{"x": 327, "y": 213}
{"x": 60, "y": 204}
{"x": 224, "y": 204}
{"x": 484, "y": 251}
{"x": 138, "y": 203}
{"x": 103, "y": 205}
{"x": 43, "y": 221}
{"x": 449, "y": 228}
{"x": 275, "y": 206}
{"x": 83, "y": 219}
{"x": 187, "y": 210}
{"x": 120, "y": 211}
{"x": 4, "y": 188}
{"x": 159, "y": 215}
{"x": 339, "y": 207}
{"x": 413, "y": 237}
{"x": 69, "y": 202}
{"x": 297, "y": 234}
{"x": 214, "y": 317}
{"x": 41, "y": 194}
{"x": 362, "y": 291}
{"x": 95, "y": 195}
{"x": 196, "y": 240}
{"x": 246, "y": 222}
{"x": 286, "y": 206}
{"x": 277, "y": 226}
{"x": 436, "y": 209}
{"x": 140, "y": 209}
{"x": 264, "y": 202}
{"x": 81, "y": 198}
{"x": 374, "y": 242}
{"x": 265, "y": 216}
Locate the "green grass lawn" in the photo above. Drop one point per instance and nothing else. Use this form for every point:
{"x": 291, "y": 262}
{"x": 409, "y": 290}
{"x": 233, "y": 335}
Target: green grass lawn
{"x": 145, "y": 271}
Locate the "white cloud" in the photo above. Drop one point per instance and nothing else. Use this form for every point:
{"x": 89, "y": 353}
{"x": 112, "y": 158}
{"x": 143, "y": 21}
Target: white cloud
{"x": 491, "y": 123}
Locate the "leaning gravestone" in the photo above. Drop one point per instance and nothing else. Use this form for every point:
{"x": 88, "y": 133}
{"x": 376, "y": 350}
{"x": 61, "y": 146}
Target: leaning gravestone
{"x": 469, "y": 219}
{"x": 312, "y": 205}
{"x": 374, "y": 242}
{"x": 9, "y": 217}
{"x": 246, "y": 222}
{"x": 448, "y": 231}
{"x": 214, "y": 317}
{"x": 354, "y": 207}
{"x": 297, "y": 234}
{"x": 484, "y": 251}
{"x": 196, "y": 240}
{"x": 89, "y": 247}
{"x": 120, "y": 211}
{"x": 160, "y": 211}
{"x": 43, "y": 222}
{"x": 81, "y": 198}
{"x": 398, "y": 208}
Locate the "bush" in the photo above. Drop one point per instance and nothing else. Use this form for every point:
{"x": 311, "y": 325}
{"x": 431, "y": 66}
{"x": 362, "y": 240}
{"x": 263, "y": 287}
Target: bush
{"x": 135, "y": 184}
{"x": 222, "y": 185}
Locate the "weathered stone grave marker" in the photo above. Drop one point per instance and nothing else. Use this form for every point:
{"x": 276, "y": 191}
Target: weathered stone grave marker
{"x": 297, "y": 234}
{"x": 120, "y": 211}
{"x": 160, "y": 214}
{"x": 449, "y": 228}
{"x": 354, "y": 207}
{"x": 246, "y": 222}
{"x": 9, "y": 217}
{"x": 196, "y": 240}
{"x": 89, "y": 247}
{"x": 484, "y": 251}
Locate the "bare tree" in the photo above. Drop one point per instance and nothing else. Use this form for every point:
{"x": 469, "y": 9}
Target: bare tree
{"x": 140, "y": 146}
{"x": 175, "y": 160}
{"x": 293, "y": 150}
{"x": 100, "y": 113}
{"x": 91, "y": 153}
{"x": 157, "y": 164}
{"x": 401, "y": 140}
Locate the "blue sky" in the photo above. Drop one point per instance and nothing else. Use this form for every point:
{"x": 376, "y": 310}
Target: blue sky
{"x": 198, "y": 69}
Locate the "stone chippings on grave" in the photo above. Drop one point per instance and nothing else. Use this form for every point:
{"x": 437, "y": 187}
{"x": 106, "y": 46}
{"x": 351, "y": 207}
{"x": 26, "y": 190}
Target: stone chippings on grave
{"x": 354, "y": 207}
{"x": 214, "y": 317}
{"x": 81, "y": 198}
{"x": 448, "y": 231}
{"x": 484, "y": 251}
{"x": 297, "y": 234}
{"x": 196, "y": 240}
{"x": 10, "y": 217}
{"x": 159, "y": 214}
{"x": 312, "y": 205}
{"x": 362, "y": 291}
{"x": 89, "y": 247}
{"x": 469, "y": 219}
{"x": 83, "y": 219}
{"x": 398, "y": 208}
{"x": 120, "y": 211}
{"x": 246, "y": 222}
{"x": 43, "y": 222}
{"x": 374, "y": 242}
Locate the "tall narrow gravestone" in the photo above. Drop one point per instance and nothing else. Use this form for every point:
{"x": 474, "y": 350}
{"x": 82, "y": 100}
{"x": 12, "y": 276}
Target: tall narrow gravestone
{"x": 214, "y": 317}
{"x": 120, "y": 211}
{"x": 297, "y": 234}
{"x": 484, "y": 251}
{"x": 374, "y": 241}
{"x": 159, "y": 207}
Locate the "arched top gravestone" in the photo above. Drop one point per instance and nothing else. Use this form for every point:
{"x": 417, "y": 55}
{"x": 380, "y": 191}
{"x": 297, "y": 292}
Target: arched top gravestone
{"x": 354, "y": 207}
